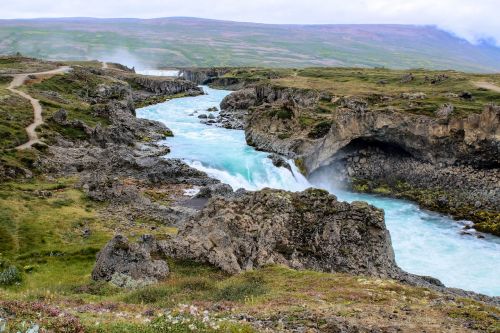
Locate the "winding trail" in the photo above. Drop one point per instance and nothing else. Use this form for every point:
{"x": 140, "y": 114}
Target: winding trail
{"x": 18, "y": 81}
{"x": 487, "y": 85}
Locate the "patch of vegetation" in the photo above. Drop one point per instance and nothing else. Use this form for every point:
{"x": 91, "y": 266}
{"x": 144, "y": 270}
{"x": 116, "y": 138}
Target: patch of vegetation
{"x": 306, "y": 121}
{"x": 281, "y": 113}
{"x": 16, "y": 114}
{"x": 9, "y": 274}
{"x": 478, "y": 317}
{"x": 320, "y": 129}
{"x": 429, "y": 198}
{"x": 17, "y": 63}
{"x": 240, "y": 290}
{"x": 283, "y": 136}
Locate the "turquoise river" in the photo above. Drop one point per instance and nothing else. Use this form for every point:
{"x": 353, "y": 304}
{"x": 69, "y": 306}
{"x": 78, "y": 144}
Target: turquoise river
{"x": 424, "y": 243}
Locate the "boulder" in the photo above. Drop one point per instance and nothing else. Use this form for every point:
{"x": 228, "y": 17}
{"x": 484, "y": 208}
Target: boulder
{"x": 304, "y": 230}
{"x": 279, "y": 161}
{"x": 239, "y": 100}
{"x": 445, "y": 111}
{"x": 130, "y": 264}
{"x": 213, "y": 190}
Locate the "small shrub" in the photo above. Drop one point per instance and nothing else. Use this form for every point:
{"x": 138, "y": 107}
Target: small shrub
{"x": 10, "y": 276}
{"x": 320, "y": 130}
{"x": 149, "y": 295}
{"x": 62, "y": 203}
{"x": 239, "y": 291}
{"x": 284, "y": 114}
{"x": 283, "y": 136}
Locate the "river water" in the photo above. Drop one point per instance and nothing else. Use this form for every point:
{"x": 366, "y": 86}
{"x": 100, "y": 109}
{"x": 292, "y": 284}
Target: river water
{"x": 424, "y": 243}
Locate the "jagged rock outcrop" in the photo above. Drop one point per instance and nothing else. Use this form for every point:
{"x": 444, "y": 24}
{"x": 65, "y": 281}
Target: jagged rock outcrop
{"x": 474, "y": 140}
{"x": 239, "y": 100}
{"x": 279, "y": 161}
{"x": 165, "y": 86}
{"x": 443, "y": 151}
{"x": 305, "y": 230}
{"x": 144, "y": 164}
{"x": 213, "y": 190}
{"x": 202, "y": 75}
{"x": 128, "y": 264}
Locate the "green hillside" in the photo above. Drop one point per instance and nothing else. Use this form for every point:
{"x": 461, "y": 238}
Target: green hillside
{"x": 200, "y": 42}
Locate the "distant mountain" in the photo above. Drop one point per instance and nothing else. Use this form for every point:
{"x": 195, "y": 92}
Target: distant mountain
{"x": 201, "y": 42}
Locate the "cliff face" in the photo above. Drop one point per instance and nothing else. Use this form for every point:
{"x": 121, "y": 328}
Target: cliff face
{"x": 429, "y": 155}
{"x": 164, "y": 86}
{"x": 203, "y": 75}
{"x": 474, "y": 140}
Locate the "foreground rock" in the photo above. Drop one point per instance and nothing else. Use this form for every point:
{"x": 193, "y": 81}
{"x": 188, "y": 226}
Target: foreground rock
{"x": 307, "y": 230}
{"x": 129, "y": 264}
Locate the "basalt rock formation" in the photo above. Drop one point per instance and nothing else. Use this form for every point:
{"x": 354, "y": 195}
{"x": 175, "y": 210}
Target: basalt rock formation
{"x": 128, "y": 264}
{"x": 202, "y": 75}
{"x": 115, "y": 160}
{"x": 305, "y": 230}
{"x": 437, "y": 152}
{"x": 472, "y": 140}
{"x": 310, "y": 230}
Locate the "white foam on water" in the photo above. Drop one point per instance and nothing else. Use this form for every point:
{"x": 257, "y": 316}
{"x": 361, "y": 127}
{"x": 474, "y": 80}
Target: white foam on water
{"x": 424, "y": 243}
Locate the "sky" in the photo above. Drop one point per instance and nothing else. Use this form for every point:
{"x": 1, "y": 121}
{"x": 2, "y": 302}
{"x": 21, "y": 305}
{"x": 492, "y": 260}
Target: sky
{"x": 474, "y": 20}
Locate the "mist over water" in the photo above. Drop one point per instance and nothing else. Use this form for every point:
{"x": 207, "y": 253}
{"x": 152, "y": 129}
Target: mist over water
{"x": 424, "y": 243}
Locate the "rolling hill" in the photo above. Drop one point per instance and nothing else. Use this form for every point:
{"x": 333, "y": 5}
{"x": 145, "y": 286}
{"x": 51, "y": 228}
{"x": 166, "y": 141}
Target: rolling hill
{"x": 201, "y": 42}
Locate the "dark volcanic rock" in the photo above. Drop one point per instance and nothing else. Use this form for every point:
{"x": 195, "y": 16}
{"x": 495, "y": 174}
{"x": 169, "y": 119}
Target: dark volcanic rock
{"x": 305, "y": 230}
{"x": 211, "y": 191}
{"x": 202, "y": 75}
{"x": 129, "y": 264}
{"x": 239, "y": 100}
{"x": 279, "y": 161}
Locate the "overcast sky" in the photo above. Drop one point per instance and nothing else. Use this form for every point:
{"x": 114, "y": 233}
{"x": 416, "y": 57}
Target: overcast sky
{"x": 470, "y": 19}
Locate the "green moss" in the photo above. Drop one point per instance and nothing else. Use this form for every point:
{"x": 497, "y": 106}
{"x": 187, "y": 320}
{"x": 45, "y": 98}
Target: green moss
{"x": 306, "y": 121}
{"x": 284, "y": 114}
{"x": 320, "y": 129}
{"x": 487, "y": 221}
{"x": 283, "y": 136}
{"x": 300, "y": 164}
{"x": 384, "y": 190}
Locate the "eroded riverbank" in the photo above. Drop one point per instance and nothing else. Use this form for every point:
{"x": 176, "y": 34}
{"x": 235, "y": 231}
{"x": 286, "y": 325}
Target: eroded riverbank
{"x": 424, "y": 243}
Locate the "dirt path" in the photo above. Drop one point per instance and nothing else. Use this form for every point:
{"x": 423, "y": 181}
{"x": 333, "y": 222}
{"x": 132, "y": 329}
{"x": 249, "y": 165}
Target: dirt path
{"x": 104, "y": 65}
{"x": 18, "y": 81}
{"x": 487, "y": 85}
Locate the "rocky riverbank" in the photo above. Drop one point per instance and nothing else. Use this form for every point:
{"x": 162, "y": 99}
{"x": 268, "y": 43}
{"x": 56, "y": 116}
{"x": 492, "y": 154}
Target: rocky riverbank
{"x": 219, "y": 261}
{"x": 444, "y": 160}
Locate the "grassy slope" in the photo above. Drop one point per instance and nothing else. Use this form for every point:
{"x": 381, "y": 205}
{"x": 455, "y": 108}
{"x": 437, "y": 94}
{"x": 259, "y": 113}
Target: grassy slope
{"x": 198, "y": 42}
{"x": 382, "y": 88}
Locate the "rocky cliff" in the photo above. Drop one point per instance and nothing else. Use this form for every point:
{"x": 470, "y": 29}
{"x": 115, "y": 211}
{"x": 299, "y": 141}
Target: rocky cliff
{"x": 437, "y": 152}
{"x": 203, "y": 75}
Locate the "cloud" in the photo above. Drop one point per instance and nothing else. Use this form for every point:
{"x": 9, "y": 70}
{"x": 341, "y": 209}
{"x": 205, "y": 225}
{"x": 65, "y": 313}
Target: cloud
{"x": 473, "y": 20}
